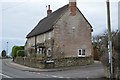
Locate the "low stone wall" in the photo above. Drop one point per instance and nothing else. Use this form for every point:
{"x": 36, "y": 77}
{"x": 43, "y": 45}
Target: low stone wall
{"x": 61, "y": 62}
{"x": 31, "y": 62}
{"x": 72, "y": 61}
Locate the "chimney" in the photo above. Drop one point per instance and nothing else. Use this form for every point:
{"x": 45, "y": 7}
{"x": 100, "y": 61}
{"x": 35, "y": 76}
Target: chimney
{"x": 49, "y": 11}
{"x": 72, "y": 7}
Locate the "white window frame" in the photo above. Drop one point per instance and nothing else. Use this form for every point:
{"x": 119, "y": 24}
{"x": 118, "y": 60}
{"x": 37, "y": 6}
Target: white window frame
{"x": 81, "y": 53}
{"x": 37, "y": 50}
{"x": 44, "y": 37}
{"x": 49, "y": 35}
{"x": 49, "y": 55}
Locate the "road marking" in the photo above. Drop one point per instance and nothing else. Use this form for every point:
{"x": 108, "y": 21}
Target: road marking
{"x": 57, "y": 76}
{"x": 54, "y": 76}
{"x": 60, "y": 77}
{"x": 5, "y": 75}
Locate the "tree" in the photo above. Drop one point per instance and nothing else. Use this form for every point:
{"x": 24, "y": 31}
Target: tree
{"x": 3, "y": 53}
{"x": 116, "y": 46}
{"x": 15, "y": 49}
{"x": 115, "y": 51}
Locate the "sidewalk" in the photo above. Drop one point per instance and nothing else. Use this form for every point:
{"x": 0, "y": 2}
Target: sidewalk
{"x": 9, "y": 63}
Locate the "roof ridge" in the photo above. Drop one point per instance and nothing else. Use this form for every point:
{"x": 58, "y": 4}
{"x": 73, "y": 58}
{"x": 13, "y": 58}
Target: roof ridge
{"x": 47, "y": 23}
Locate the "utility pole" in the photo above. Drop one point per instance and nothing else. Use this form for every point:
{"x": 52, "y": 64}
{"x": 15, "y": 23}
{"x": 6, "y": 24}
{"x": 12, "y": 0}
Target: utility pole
{"x": 7, "y": 47}
{"x": 109, "y": 40}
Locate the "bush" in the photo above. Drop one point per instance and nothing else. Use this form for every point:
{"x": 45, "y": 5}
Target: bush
{"x": 20, "y": 53}
{"x": 14, "y": 51}
{"x": 115, "y": 54}
{"x": 3, "y": 53}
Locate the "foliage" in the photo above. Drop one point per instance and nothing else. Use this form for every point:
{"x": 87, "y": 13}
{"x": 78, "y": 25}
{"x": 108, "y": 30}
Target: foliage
{"x": 116, "y": 42}
{"x": 31, "y": 52}
{"x": 15, "y": 49}
{"x": 102, "y": 44}
{"x": 3, "y": 53}
{"x": 20, "y": 53}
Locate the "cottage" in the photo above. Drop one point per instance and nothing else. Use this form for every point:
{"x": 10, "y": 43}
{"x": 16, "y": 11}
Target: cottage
{"x": 64, "y": 33}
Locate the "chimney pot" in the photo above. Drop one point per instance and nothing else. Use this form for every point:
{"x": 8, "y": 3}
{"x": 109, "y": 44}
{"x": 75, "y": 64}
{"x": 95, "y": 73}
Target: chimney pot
{"x": 48, "y": 7}
{"x": 49, "y": 11}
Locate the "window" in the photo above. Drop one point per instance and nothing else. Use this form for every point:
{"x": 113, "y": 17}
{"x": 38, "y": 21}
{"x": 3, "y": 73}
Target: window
{"x": 44, "y": 37}
{"x": 81, "y": 52}
{"x": 49, "y": 52}
{"x": 49, "y": 35}
{"x": 37, "y": 50}
{"x": 73, "y": 28}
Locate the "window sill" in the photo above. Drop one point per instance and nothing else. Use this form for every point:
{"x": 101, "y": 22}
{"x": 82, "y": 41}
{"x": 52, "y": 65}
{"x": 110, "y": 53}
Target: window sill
{"x": 81, "y": 56}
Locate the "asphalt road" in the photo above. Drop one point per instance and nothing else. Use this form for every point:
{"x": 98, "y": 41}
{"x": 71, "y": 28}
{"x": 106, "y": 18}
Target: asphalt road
{"x": 90, "y": 71}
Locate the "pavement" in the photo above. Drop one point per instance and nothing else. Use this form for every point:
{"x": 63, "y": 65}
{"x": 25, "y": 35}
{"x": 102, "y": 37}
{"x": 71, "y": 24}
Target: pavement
{"x": 12, "y": 64}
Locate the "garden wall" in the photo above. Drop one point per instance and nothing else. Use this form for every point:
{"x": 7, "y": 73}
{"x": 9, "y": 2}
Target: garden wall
{"x": 54, "y": 63}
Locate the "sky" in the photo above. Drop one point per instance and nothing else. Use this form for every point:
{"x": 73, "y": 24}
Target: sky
{"x": 19, "y": 17}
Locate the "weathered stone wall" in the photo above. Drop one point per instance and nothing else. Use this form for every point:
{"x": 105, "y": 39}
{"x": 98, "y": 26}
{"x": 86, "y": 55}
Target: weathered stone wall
{"x": 30, "y": 62}
{"x": 70, "y": 34}
{"x": 73, "y": 61}
{"x": 61, "y": 62}
{"x": 39, "y": 39}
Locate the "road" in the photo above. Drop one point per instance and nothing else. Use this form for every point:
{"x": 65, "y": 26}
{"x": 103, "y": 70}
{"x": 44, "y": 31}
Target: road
{"x": 90, "y": 71}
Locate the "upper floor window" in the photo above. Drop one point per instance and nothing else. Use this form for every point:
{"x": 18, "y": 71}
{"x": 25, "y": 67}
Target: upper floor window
{"x": 81, "y": 52}
{"x": 44, "y": 37}
{"x": 49, "y": 35}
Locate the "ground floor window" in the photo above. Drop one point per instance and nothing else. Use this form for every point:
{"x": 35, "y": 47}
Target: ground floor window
{"x": 49, "y": 53}
{"x": 81, "y": 52}
{"x": 39, "y": 51}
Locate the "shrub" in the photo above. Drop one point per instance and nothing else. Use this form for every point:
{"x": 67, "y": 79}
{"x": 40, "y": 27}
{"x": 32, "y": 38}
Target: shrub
{"x": 3, "y": 53}
{"x": 20, "y": 53}
{"x": 14, "y": 51}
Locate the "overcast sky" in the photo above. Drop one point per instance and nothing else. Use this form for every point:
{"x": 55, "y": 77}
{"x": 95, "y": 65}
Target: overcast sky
{"x": 19, "y": 17}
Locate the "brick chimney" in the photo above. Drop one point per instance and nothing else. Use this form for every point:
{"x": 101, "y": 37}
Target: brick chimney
{"x": 49, "y": 11}
{"x": 72, "y": 7}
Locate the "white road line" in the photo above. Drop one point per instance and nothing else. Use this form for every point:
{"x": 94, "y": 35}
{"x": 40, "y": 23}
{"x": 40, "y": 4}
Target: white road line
{"x": 60, "y": 77}
{"x": 54, "y": 76}
{"x": 5, "y": 75}
{"x": 57, "y": 76}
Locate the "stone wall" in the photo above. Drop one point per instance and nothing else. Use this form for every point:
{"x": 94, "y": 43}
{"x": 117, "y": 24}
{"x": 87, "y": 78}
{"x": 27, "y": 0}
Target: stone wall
{"x": 73, "y": 61}
{"x": 70, "y": 34}
{"x": 30, "y": 62}
{"x": 58, "y": 63}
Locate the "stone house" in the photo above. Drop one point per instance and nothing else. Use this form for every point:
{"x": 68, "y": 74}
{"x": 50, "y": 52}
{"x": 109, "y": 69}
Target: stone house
{"x": 64, "y": 33}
